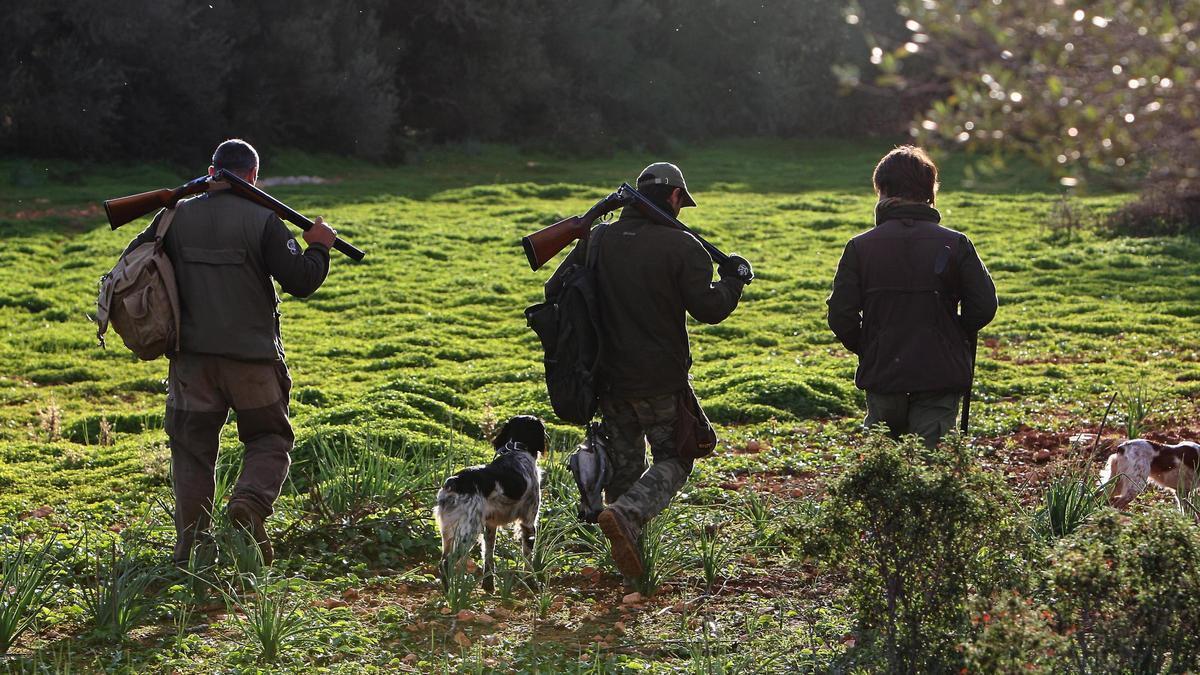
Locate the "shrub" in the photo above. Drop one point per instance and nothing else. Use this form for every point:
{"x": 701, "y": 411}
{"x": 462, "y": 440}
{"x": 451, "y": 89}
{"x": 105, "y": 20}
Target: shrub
{"x": 919, "y": 533}
{"x": 1126, "y": 592}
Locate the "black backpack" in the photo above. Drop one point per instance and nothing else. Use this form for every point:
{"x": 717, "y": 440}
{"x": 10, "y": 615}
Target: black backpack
{"x": 569, "y": 328}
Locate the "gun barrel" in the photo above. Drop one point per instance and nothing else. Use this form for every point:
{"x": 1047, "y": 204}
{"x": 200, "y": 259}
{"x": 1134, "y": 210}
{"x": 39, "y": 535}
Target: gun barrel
{"x": 123, "y": 210}
{"x": 248, "y": 191}
{"x": 544, "y": 244}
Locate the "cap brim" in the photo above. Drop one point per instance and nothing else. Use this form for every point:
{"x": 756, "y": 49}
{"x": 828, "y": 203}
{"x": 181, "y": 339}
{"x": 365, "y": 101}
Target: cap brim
{"x": 688, "y": 200}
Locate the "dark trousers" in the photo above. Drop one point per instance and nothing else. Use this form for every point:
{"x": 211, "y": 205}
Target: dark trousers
{"x": 201, "y": 390}
{"x": 929, "y": 415}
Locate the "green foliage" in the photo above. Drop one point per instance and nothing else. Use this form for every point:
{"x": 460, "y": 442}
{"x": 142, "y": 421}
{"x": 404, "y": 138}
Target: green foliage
{"x": 1012, "y": 635}
{"x": 714, "y": 553}
{"x": 1095, "y": 91}
{"x": 662, "y": 554}
{"x": 85, "y": 82}
{"x": 919, "y": 533}
{"x": 26, "y": 587}
{"x": 1126, "y": 593}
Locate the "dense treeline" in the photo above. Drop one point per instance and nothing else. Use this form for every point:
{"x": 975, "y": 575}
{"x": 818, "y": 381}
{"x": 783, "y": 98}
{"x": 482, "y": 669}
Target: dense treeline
{"x": 167, "y": 78}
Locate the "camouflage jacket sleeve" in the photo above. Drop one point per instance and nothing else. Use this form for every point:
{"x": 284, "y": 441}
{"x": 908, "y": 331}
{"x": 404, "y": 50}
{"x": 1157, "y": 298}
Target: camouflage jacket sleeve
{"x": 978, "y": 291}
{"x": 298, "y": 273}
{"x": 707, "y": 301}
{"x": 845, "y": 302}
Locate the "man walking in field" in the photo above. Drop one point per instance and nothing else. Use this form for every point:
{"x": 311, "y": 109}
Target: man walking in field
{"x": 649, "y": 277}
{"x": 908, "y": 298}
{"x": 225, "y": 251}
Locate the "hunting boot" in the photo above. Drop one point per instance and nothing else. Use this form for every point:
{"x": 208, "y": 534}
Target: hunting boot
{"x": 246, "y": 518}
{"x": 623, "y": 539}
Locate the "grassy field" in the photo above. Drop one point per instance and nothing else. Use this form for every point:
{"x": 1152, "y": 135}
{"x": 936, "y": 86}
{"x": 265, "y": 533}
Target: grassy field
{"x": 414, "y": 354}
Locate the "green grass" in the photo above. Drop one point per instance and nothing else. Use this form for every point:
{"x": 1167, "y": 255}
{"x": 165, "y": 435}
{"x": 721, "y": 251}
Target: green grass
{"x": 422, "y": 346}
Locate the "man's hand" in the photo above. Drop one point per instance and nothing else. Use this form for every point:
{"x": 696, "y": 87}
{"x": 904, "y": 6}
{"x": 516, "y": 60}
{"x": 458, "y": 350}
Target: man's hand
{"x": 320, "y": 233}
{"x": 737, "y": 267}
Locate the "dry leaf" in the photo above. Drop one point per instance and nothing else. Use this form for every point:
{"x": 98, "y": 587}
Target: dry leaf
{"x": 462, "y": 639}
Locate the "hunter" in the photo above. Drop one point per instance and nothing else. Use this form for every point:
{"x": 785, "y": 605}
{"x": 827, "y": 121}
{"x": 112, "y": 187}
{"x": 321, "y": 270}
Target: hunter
{"x": 225, "y": 251}
{"x": 649, "y": 277}
{"x": 908, "y": 298}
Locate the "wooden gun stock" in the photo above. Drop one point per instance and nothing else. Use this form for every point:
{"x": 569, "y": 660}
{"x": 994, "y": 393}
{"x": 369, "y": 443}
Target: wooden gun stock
{"x": 544, "y": 244}
{"x": 124, "y": 210}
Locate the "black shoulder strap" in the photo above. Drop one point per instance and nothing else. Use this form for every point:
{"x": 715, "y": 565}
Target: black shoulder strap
{"x": 592, "y": 243}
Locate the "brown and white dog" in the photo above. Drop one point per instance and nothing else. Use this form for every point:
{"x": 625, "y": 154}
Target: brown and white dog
{"x": 1138, "y": 462}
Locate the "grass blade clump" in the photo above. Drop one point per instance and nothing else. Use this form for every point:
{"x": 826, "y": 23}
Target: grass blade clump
{"x": 269, "y": 620}
{"x": 1068, "y": 503}
{"x": 1137, "y": 402}
{"x": 714, "y": 555}
{"x": 115, "y": 599}
{"x": 661, "y": 557}
{"x": 25, "y": 589}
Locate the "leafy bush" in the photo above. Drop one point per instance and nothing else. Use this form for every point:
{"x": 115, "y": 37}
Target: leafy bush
{"x": 271, "y": 620}
{"x": 1126, "y": 592}
{"x": 919, "y": 532}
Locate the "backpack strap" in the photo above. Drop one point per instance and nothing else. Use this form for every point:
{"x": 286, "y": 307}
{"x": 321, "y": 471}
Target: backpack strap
{"x": 164, "y": 224}
{"x": 592, "y": 250}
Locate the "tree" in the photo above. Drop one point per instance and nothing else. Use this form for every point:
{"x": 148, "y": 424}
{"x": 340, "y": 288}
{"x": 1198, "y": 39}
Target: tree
{"x": 1101, "y": 91}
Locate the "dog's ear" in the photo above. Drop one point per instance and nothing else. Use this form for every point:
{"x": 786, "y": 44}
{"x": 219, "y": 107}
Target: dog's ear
{"x": 503, "y": 435}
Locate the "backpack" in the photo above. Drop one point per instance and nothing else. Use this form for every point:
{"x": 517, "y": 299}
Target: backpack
{"x": 140, "y": 298}
{"x": 569, "y": 328}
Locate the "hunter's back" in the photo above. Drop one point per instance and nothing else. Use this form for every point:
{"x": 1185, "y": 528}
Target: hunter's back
{"x": 227, "y": 300}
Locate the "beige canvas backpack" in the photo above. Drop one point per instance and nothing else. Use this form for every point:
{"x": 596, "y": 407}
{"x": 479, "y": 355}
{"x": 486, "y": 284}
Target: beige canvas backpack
{"x": 139, "y": 297}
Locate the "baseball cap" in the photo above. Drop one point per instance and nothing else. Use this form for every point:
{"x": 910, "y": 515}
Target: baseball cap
{"x": 665, "y": 173}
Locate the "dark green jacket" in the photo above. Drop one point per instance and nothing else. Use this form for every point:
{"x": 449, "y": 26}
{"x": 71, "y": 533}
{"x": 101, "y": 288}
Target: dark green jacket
{"x": 225, "y": 251}
{"x": 907, "y": 297}
{"x": 649, "y": 278}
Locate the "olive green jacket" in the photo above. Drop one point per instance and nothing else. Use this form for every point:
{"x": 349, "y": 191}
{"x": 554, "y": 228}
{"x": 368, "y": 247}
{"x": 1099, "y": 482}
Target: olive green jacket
{"x": 225, "y": 251}
{"x": 649, "y": 278}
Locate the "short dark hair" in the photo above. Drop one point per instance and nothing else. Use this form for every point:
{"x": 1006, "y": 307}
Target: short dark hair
{"x": 907, "y": 172}
{"x": 235, "y": 155}
{"x": 657, "y": 193}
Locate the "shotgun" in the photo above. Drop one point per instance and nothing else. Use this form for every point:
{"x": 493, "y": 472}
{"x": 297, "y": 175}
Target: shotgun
{"x": 544, "y": 244}
{"x": 966, "y": 402}
{"x": 125, "y": 209}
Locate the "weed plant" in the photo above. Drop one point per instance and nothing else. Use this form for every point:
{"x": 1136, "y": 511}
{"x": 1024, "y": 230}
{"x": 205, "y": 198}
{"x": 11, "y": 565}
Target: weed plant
{"x": 1136, "y": 403}
{"x": 26, "y": 587}
{"x": 662, "y": 557}
{"x": 1069, "y": 502}
{"x": 271, "y": 620}
{"x": 714, "y": 553}
{"x": 757, "y": 511}
{"x": 458, "y": 584}
{"x": 117, "y": 596}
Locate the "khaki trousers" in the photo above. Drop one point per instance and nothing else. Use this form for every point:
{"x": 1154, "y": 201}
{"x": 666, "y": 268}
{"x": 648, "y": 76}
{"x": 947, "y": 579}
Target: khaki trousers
{"x": 929, "y": 415}
{"x": 201, "y": 389}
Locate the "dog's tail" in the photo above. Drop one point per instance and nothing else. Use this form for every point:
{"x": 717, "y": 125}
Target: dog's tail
{"x": 459, "y": 519}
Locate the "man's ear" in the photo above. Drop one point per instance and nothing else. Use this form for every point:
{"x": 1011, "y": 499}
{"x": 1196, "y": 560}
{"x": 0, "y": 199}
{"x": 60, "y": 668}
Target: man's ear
{"x": 212, "y": 170}
{"x": 252, "y": 178}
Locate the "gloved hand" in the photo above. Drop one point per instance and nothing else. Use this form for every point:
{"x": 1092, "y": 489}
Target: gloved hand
{"x": 737, "y": 267}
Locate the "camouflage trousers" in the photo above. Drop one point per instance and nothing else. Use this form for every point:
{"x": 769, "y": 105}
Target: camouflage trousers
{"x": 201, "y": 389}
{"x": 638, "y": 492}
{"x": 929, "y": 415}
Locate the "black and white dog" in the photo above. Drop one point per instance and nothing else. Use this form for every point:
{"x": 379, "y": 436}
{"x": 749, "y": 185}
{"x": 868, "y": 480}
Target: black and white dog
{"x": 478, "y": 500}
